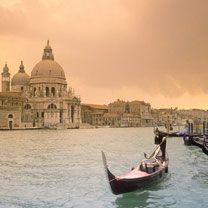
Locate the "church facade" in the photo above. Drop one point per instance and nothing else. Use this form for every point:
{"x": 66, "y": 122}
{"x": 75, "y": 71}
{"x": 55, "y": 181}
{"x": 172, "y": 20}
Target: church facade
{"x": 41, "y": 100}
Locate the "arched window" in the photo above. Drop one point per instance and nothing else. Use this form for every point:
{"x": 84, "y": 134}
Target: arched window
{"x": 52, "y": 106}
{"x": 47, "y": 92}
{"x": 22, "y": 88}
{"x": 27, "y": 106}
{"x": 34, "y": 91}
{"x": 10, "y": 116}
{"x": 72, "y": 114}
{"x": 53, "y": 91}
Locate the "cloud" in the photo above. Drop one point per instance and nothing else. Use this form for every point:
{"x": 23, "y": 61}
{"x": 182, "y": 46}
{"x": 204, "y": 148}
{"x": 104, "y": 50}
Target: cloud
{"x": 157, "y": 47}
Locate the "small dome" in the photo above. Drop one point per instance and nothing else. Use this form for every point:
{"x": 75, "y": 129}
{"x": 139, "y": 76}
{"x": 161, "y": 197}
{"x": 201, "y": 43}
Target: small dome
{"x": 5, "y": 71}
{"x": 20, "y": 79}
{"x": 48, "y": 68}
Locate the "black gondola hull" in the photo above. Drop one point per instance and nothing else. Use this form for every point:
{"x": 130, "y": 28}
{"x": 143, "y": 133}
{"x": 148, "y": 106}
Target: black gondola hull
{"x": 124, "y": 185}
{"x": 205, "y": 150}
{"x": 128, "y": 185}
{"x": 205, "y": 146}
{"x": 197, "y": 141}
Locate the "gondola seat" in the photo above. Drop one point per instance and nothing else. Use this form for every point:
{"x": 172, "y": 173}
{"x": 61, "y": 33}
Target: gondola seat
{"x": 149, "y": 165}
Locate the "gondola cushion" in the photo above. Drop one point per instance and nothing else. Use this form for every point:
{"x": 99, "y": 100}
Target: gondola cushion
{"x": 149, "y": 166}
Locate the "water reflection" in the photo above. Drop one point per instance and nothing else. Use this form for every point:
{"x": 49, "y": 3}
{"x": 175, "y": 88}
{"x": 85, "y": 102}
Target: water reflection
{"x": 151, "y": 196}
{"x": 133, "y": 200}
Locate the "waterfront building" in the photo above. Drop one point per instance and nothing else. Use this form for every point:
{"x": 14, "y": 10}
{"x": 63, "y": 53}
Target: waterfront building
{"x": 155, "y": 116}
{"x": 118, "y": 106}
{"x": 143, "y": 110}
{"x": 166, "y": 115}
{"x": 43, "y": 99}
{"x": 125, "y": 113}
{"x": 93, "y": 114}
{"x": 112, "y": 119}
{"x": 194, "y": 114}
{"x": 11, "y": 109}
{"x": 130, "y": 120}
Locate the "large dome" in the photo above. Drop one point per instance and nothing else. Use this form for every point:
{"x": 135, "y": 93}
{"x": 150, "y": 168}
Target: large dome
{"x": 48, "y": 68}
{"x": 20, "y": 78}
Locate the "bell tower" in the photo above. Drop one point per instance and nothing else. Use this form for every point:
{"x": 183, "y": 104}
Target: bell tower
{"x": 5, "y": 79}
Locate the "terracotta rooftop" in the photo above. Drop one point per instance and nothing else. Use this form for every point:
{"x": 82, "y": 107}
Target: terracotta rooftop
{"x": 11, "y": 94}
{"x": 131, "y": 115}
{"x": 97, "y": 106}
{"x": 112, "y": 115}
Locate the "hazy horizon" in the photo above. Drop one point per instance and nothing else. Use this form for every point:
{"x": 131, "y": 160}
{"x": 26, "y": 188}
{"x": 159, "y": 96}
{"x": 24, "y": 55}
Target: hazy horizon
{"x": 155, "y": 51}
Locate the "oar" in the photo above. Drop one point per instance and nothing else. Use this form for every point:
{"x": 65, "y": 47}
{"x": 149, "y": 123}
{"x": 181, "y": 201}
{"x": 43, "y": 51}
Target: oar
{"x": 145, "y": 155}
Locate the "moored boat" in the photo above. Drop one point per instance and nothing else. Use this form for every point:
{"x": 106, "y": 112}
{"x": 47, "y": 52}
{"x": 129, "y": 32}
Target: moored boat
{"x": 187, "y": 140}
{"x": 205, "y": 146}
{"x": 197, "y": 141}
{"x": 149, "y": 171}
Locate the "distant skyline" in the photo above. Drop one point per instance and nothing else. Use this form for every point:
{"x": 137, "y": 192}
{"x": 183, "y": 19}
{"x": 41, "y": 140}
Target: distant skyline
{"x": 156, "y": 51}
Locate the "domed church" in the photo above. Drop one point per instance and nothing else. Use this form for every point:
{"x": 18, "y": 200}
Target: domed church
{"x": 41, "y": 100}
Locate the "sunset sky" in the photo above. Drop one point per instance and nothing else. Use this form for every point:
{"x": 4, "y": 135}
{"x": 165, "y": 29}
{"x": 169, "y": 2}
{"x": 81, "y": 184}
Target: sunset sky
{"x": 151, "y": 50}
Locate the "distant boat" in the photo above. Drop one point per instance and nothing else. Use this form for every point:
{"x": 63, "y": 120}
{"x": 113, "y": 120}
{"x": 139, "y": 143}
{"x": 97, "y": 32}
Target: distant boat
{"x": 205, "y": 146}
{"x": 187, "y": 140}
{"x": 148, "y": 172}
{"x": 173, "y": 134}
{"x": 197, "y": 141}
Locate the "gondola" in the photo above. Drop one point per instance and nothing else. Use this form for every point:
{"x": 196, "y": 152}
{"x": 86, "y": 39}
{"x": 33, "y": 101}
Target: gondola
{"x": 187, "y": 140}
{"x": 205, "y": 146}
{"x": 148, "y": 172}
{"x": 186, "y": 137}
{"x": 197, "y": 140}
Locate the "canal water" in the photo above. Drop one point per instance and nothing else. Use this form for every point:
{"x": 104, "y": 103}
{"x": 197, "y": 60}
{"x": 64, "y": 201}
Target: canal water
{"x": 63, "y": 168}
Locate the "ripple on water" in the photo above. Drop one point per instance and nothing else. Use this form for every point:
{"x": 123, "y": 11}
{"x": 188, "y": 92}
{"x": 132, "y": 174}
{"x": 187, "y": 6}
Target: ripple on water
{"x": 64, "y": 169}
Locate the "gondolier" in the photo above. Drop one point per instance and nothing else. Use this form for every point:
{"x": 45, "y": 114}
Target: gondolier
{"x": 160, "y": 139}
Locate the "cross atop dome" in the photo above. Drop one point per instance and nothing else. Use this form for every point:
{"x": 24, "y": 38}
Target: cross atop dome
{"x": 47, "y": 53}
